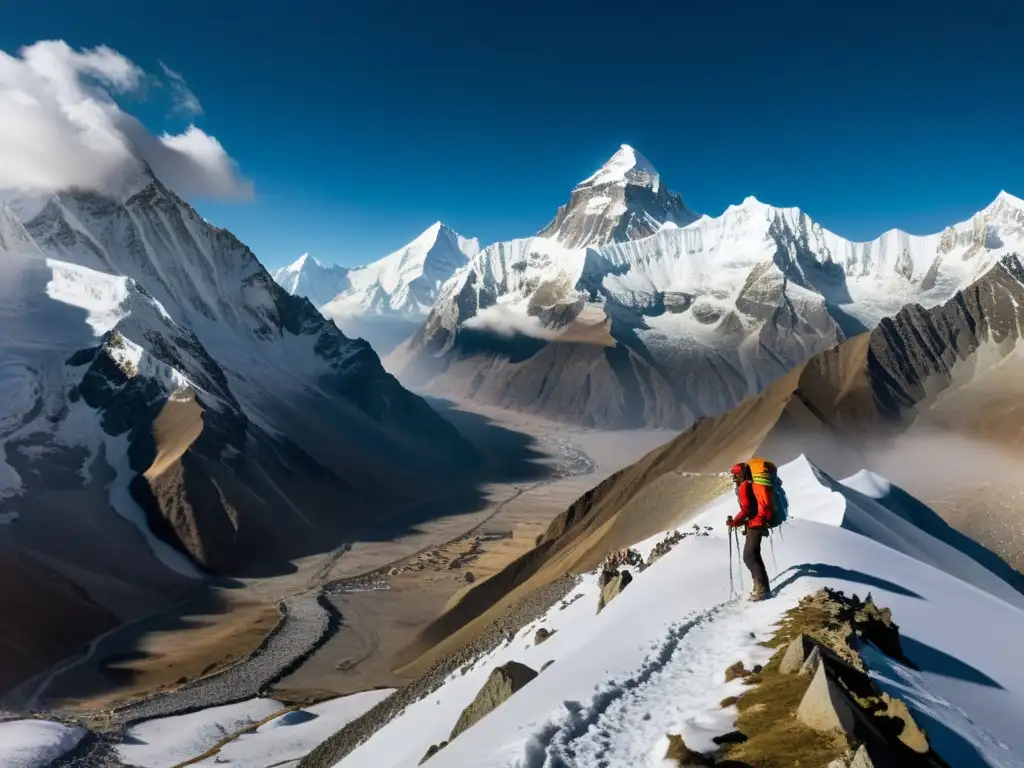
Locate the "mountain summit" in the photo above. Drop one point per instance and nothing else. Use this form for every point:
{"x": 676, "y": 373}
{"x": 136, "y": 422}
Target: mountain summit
{"x": 308, "y": 277}
{"x": 624, "y": 200}
{"x": 405, "y": 282}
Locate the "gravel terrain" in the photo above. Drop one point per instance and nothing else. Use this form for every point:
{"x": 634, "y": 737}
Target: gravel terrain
{"x": 530, "y": 608}
{"x": 306, "y": 622}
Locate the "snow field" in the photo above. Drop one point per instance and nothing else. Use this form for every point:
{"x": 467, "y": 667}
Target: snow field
{"x": 295, "y": 734}
{"x": 168, "y": 741}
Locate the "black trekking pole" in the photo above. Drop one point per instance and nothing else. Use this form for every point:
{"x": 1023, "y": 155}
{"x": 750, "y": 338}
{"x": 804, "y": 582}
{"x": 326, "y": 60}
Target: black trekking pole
{"x": 728, "y": 530}
{"x": 739, "y": 567}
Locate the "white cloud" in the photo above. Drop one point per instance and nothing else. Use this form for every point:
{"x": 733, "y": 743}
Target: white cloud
{"x": 504, "y": 320}
{"x": 185, "y": 101}
{"x": 62, "y": 128}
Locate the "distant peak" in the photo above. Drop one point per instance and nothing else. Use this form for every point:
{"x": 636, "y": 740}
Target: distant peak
{"x": 749, "y": 203}
{"x": 299, "y": 264}
{"x": 626, "y": 165}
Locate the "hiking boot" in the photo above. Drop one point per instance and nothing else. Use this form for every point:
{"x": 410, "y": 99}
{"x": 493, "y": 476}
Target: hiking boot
{"x": 760, "y": 592}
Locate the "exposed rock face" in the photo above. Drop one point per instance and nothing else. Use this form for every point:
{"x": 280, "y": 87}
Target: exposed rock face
{"x": 502, "y": 683}
{"x": 612, "y": 586}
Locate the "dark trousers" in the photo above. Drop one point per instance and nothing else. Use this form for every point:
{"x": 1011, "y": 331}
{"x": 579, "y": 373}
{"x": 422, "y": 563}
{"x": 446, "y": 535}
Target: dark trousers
{"x": 752, "y": 555}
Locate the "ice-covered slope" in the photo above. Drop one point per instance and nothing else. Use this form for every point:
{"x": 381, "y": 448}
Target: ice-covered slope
{"x": 653, "y": 661}
{"x": 308, "y": 277}
{"x": 686, "y": 322}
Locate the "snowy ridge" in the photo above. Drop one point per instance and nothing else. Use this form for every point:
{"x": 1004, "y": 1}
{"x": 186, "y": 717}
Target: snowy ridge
{"x": 653, "y": 661}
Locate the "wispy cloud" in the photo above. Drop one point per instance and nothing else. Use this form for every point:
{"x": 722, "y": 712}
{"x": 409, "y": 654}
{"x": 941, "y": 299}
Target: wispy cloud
{"x": 185, "y": 101}
{"x": 62, "y": 128}
{"x": 506, "y": 321}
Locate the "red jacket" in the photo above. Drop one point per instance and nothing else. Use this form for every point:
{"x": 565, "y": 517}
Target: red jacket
{"x": 755, "y": 505}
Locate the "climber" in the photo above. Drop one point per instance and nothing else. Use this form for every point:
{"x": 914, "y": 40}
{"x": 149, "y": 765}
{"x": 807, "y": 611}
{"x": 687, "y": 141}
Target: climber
{"x": 755, "y": 500}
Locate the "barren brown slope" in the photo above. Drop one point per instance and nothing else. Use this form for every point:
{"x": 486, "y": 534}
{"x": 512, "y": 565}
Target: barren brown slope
{"x": 871, "y": 388}
{"x": 655, "y": 493}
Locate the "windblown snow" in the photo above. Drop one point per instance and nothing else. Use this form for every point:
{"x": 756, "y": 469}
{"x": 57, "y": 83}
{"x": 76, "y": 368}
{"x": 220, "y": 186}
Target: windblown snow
{"x": 653, "y": 661}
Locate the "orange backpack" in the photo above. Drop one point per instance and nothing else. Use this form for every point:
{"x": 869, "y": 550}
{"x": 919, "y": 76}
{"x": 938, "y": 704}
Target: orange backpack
{"x": 764, "y": 472}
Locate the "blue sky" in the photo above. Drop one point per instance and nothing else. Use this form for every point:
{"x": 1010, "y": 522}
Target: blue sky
{"x": 362, "y": 123}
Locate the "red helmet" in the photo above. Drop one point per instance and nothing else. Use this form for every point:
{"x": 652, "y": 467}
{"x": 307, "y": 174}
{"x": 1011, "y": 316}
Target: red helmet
{"x": 737, "y": 470}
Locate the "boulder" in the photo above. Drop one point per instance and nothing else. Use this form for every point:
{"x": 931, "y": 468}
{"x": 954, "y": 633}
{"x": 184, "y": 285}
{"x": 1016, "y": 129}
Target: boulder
{"x": 501, "y": 684}
{"x": 810, "y": 666}
{"x": 796, "y": 654}
{"x": 825, "y": 706}
{"x": 542, "y": 635}
{"x": 612, "y": 587}
{"x": 432, "y": 750}
{"x": 861, "y": 758}
{"x": 683, "y": 756}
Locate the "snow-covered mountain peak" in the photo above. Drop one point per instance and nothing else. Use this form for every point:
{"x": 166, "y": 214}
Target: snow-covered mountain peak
{"x": 1005, "y": 198}
{"x": 299, "y": 264}
{"x": 627, "y": 166}
{"x": 404, "y": 283}
{"x": 308, "y": 277}
{"x": 1004, "y": 204}
{"x": 624, "y": 200}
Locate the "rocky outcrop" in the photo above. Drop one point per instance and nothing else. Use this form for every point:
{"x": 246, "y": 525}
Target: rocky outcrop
{"x": 682, "y": 756}
{"x": 796, "y": 654}
{"x": 612, "y": 584}
{"x": 542, "y": 635}
{"x": 501, "y": 684}
{"x": 816, "y": 701}
{"x": 432, "y": 750}
{"x": 825, "y": 706}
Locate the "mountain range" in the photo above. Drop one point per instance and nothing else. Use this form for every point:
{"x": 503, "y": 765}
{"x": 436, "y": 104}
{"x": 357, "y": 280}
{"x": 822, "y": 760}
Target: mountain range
{"x": 607, "y": 321}
{"x": 630, "y": 310}
{"x": 382, "y": 302}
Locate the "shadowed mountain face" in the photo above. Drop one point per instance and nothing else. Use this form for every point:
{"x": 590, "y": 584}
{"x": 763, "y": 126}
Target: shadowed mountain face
{"x": 605, "y": 322}
{"x": 167, "y": 409}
